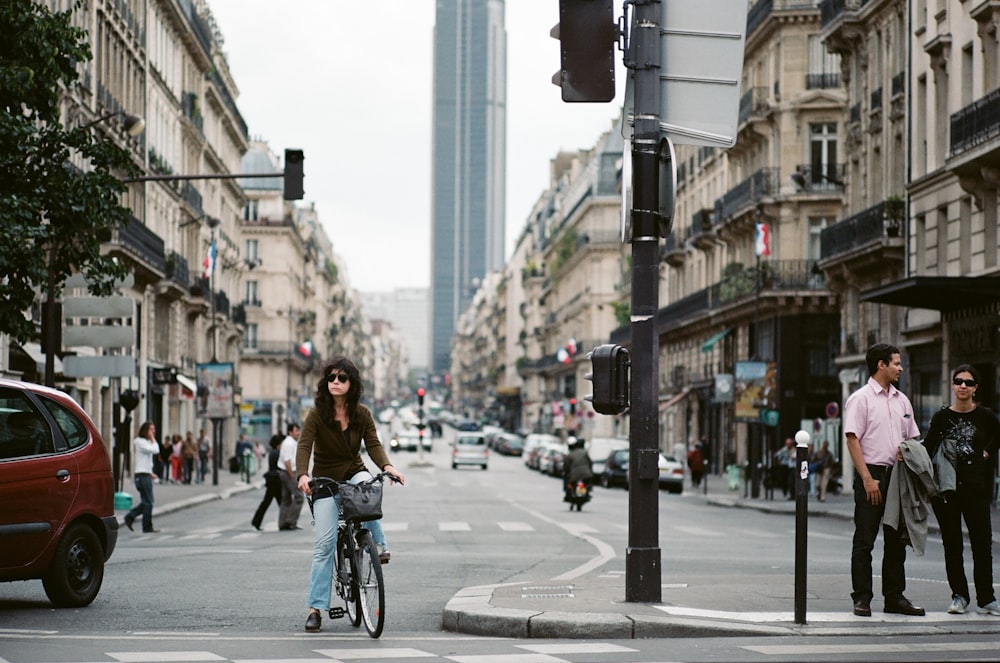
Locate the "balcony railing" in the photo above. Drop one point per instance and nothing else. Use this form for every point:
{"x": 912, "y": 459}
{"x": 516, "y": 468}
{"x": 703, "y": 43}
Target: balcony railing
{"x": 854, "y": 231}
{"x": 825, "y": 81}
{"x": 192, "y": 197}
{"x": 177, "y": 269}
{"x": 753, "y": 102}
{"x": 762, "y": 183}
{"x": 976, "y": 124}
{"x": 876, "y": 100}
{"x": 142, "y": 241}
{"x": 855, "y": 112}
{"x": 899, "y": 83}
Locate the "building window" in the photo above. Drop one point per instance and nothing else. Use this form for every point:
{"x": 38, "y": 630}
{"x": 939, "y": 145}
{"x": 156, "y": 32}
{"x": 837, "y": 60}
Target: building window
{"x": 250, "y": 337}
{"x": 824, "y": 67}
{"x": 823, "y": 155}
{"x": 251, "y": 251}
{"x": 252, "y": 211}
{"x": 251, "y": 297}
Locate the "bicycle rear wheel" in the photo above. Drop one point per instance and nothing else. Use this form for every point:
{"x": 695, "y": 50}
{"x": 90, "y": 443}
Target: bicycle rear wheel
{"x": 346, "y": 566}
{"x": 372, "y": 591}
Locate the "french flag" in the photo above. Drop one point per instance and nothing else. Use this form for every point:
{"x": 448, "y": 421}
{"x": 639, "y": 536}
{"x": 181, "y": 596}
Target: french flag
{"x": 209, "y": 261}
{"x": 762, "y": 240}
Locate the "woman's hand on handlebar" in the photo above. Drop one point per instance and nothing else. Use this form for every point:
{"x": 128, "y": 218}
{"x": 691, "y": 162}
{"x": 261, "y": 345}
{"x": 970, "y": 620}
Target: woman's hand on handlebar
{"x": 394, "y": 474}
{"x": 304, "y": 482}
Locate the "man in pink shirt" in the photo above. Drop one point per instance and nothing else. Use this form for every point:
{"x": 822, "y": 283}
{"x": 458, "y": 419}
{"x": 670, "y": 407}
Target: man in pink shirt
{"x": 877, "y": 418}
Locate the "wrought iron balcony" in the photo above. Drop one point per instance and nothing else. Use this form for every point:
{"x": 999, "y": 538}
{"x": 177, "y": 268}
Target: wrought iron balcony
{"x": 753, "y": 102}
{"x": 977, "y": 123}
{"x": 854, "y": 231}
{"x": 143, "y": 242}
{"x": 762, "y": 183}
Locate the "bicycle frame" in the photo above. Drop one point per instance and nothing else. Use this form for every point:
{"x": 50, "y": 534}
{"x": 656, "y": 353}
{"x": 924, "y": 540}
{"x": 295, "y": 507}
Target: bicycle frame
{"x": 357, "y": 570}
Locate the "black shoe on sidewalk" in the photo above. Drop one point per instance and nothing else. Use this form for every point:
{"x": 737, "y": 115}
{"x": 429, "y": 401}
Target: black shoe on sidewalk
{"x": 902, "y": 606}
{"x": 863, "y": 609}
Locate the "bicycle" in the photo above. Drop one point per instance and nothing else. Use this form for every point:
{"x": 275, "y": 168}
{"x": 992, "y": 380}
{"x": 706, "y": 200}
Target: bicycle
{"x": 357, "y": 570}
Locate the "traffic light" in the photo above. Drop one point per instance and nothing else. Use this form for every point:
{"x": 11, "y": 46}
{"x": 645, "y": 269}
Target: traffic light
{"x": 610, "y": 365}
{"x": 587, "y": 35}
{"x": 293, "y": 174}
{"x": 420, "y": 396}
{"x": 572, "y": 406}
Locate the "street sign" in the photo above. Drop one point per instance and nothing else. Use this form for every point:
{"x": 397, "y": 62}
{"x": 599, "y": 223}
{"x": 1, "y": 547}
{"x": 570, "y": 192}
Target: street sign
{"x": 117, "y": 366}
{"x": 701, "y": 65}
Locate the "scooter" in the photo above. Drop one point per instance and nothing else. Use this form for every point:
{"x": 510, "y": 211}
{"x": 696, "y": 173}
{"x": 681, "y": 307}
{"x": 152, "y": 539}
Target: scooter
{"x": 577, "y": 495}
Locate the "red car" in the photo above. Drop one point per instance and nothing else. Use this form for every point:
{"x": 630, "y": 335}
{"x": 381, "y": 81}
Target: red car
{"x": 57, "y": 515}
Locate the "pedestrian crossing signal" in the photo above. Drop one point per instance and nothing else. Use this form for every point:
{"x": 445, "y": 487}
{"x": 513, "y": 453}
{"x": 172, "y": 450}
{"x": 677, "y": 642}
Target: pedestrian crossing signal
{"x": 610, "y": 366}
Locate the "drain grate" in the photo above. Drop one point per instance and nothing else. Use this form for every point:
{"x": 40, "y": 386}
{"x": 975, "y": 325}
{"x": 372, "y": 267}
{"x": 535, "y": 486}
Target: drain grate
{"x": 547, "y": 592}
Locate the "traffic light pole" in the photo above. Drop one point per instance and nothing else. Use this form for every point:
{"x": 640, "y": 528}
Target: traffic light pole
{"x": 642, "y": 561}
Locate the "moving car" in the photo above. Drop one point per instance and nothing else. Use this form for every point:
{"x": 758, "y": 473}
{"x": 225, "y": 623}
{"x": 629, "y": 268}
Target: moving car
{"x": 470, "y": 450}
{"x": 599, "y": 448}
{"x": 509, "y": 444}
{"x": 57, "y": 511}
{"x": 408, "y": 440}
{"x": 616, "y": 472}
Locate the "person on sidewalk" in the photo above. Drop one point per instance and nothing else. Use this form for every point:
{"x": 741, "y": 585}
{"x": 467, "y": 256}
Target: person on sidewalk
{"x": 877, "y": 418}
{"x": 696, "y": 463}
{"x": 291, "y": 496}
{"x": 272, "y": 482}
{"x": 964, "y": 438}
{"x": 785, "y": 463}
{"x": 204, "y": 454}
{"x": 244, "y": 455}
{"x": 821, "y": 466}
{"x": 189, "y": 452}
{"x": 145, "y": 447}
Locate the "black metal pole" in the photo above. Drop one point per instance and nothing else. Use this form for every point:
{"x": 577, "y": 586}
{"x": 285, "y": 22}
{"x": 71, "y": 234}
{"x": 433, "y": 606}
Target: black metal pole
{"x": 216, "y": 450}
{"x": 801, "y": 523}
{"x": 642, "y": 561}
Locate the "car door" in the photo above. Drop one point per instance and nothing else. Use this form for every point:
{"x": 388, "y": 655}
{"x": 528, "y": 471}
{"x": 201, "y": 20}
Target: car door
{"x": 39, "y": 481}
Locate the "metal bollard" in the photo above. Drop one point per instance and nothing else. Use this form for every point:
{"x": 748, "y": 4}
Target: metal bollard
{"x": 801, "y": 523}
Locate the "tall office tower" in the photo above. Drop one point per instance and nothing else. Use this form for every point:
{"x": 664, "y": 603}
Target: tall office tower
{"x": 469, "y": 182}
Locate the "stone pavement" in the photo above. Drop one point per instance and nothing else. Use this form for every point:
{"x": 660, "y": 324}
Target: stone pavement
{"x": 593, "y": 605}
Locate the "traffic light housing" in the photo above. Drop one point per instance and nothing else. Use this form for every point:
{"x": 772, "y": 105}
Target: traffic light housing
{"x": 610, "y": 365}
{"x": 572, "y": 406}
{"x": 587, "y": 35}
{"x": 420, "y": 396}
{"x": 293, "y": 174}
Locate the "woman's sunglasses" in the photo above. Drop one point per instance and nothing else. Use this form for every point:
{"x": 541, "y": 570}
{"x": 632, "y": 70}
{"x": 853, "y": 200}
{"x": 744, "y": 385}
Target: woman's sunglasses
{"x": 339, "y": 377}
{"x": 958, "y": 382}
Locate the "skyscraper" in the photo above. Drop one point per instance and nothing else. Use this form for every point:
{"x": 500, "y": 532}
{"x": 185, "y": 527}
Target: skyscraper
{"x": 469, "y": 158}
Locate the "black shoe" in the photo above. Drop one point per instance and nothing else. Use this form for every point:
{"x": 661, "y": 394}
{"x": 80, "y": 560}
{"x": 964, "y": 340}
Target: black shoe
{"x": 313, "y": 622}
{"x": 128, "y": 524}
{"x": 150, "y": 531}
{"x": 902, "y": 606}
{"x": 256, "y": 526}
{"x": 384, "y": 557}
{"x": 862, "y": 609}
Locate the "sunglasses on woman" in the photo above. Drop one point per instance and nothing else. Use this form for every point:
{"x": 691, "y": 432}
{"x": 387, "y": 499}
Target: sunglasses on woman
{"x": 958, "y": 382}
{"x": 339, "y": 377}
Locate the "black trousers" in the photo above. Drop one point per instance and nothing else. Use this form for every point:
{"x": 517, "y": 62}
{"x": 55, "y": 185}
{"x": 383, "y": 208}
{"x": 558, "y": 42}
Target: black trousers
{"x": 973, "y": 505}
{"x": 272, "y": 491}
{"x": 867, "y": 520}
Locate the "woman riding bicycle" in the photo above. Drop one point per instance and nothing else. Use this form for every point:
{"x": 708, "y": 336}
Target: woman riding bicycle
{"x": 332, "y": 435}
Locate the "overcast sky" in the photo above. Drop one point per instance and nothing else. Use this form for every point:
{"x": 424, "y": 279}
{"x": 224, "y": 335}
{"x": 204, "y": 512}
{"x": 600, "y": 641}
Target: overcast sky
{"x": 350, "y": 84}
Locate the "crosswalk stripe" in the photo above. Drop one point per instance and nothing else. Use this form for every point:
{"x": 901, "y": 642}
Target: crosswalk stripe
{"x": 454, "y": 526}
{"x": 515, "y": 526}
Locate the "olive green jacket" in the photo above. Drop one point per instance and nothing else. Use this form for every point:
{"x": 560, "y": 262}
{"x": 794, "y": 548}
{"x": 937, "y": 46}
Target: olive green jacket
{"x": 334, "y": 454}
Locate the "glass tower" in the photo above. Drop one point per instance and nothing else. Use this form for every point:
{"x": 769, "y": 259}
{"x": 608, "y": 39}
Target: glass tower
{"x": 469, "y": 157}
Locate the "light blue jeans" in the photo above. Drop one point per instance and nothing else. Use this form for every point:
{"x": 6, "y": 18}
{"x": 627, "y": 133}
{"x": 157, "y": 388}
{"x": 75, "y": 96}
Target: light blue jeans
{"x": 326, "y": 513}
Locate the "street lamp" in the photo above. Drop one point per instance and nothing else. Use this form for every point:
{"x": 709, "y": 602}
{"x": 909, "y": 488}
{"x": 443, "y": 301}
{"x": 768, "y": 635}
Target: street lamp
{"x": 815, "y": 176}
{"x": 133, "y": 124}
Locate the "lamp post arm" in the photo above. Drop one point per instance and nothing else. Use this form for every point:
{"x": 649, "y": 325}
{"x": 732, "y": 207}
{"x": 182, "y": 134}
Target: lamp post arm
{"x": 169, "y": 178}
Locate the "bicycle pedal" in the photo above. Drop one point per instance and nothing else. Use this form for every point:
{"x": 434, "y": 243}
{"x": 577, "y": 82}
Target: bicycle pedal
{"x": 336, "y": 613}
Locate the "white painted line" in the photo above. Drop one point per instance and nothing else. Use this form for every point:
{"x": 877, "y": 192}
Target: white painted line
{"x": 164, "y": 656}
{"x": 515, "y": 527}
{"x": 578, "y": 648}
{"x": 454, "y": 526}
{"x": 390, "y": 652}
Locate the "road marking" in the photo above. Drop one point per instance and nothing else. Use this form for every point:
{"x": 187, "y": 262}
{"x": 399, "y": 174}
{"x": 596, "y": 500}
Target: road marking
{"x": 507, "y": 658}
{"x": 515, "y": 527}
{"x": 397, "y": 652}
{"x": 388, "y": 526}
{"x": 578, "y": 648}
{"x": 454, "y": 526}
{"x": 880, "y": 647}
{"x": 162, "y": 656}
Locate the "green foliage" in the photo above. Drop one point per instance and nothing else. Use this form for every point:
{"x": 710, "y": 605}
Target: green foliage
{"x": 53, "y": 215}
{"x": 623, "y": 312}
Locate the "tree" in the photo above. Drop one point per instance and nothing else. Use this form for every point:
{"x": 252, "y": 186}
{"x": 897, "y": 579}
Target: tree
{"x": 59, "y": 195}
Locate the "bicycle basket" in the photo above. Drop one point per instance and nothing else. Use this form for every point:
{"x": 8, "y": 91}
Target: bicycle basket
{"x": 361, "y": 501}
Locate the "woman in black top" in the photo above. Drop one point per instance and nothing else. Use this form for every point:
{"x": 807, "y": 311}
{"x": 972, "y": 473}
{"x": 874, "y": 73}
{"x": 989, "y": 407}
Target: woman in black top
{"x": 965, "y": 437}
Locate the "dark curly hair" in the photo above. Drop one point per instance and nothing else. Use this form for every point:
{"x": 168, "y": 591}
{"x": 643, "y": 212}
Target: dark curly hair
{"x": 324, "y": 400}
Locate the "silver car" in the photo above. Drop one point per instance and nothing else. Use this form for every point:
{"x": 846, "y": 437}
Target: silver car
{"x": 470, "y": 450}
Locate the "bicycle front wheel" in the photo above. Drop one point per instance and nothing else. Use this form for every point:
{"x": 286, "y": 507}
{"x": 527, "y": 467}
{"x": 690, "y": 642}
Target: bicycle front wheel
{"x": 347, "y": 574}
{"x": 371, "y": 589}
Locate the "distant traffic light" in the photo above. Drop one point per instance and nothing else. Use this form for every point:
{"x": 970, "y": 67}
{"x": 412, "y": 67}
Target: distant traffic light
{"x": 610, "y": 365}
{"x": 572, "y": 406}
{"x": 420, "y": 396}
{"x": 294, "y": 174}
{"x": 587, "y": 35}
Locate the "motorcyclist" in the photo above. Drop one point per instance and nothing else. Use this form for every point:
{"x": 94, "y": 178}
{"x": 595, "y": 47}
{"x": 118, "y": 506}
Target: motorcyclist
{"x": 578, "y": 467}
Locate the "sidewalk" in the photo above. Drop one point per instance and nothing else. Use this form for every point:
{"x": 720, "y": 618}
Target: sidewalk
{"x": 593, "y": 605}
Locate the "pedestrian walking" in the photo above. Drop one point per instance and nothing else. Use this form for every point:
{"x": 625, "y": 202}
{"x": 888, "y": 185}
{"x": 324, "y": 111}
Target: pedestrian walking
{"x": 696, "y": 463}
{"x": 272, "y": 482}
{"x": 291, "y": 496}
{"x": 189, "y": 453}
{"x": 821, "y": 466}
{"x": 963, "y": 439}
{"x": 244, "y": 456}
{"x": 145, "y": 447}
{"x": 204, "y": 454}
{"x": 176, "y": 459}
{"x": 877, "y": 418}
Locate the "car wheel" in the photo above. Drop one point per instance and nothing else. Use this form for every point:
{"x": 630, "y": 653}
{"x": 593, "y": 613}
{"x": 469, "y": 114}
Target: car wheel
{"x": 604, "y": 481}
{"x": 484, "y": 467}
{"x": 77, "y": 570}
{"x": 676, "y": 490}
{"x": 454, "y": 466}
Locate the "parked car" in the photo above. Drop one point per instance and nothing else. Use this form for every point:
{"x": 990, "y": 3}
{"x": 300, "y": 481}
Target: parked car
{"x": 467, "y": 425}
{"x": 490, "y": 432}
{"x": 671, "y": 476}
{"x": 470, "y": 450}
{"x": 534, "y": 444}
{"x": 599, "y": 448}
{"x": 551, "y": 460}
{"x": 57, "y": 510}
{"x": 509, "y": 444}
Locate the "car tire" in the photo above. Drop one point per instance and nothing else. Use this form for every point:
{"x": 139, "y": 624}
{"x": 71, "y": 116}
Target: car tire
{"x": 77, "y": 569}
{"x": 675, "y": 490}
{"x": 454, "y": 466}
